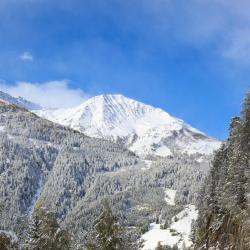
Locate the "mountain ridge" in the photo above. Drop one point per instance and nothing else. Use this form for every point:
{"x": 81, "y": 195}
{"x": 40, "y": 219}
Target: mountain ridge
{"x": 142, "y": 128}
{"x": 42, "y": 162}
{"x": 19, "y": 101}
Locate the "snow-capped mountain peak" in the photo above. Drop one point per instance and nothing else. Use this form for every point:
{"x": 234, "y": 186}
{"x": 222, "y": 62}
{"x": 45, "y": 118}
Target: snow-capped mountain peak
{"x": 142, "y": 128}
{"x": 18, "y": 101}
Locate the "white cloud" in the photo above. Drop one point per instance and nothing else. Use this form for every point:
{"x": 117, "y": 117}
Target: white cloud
{"x": 222, "y": 25}
{"x": 238, "y": 48}
{"x": 53, "y": 94}
{"x": 26, "y": 56}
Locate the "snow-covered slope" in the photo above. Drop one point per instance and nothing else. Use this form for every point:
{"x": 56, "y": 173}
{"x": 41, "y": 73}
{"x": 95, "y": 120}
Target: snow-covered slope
{"x": 177, "y": 234}
{"x": 19, "y": 101}
{"x": 142, "y": 128}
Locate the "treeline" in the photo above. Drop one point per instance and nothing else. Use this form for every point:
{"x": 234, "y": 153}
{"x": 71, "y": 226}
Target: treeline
{"x": 70, "y": 173}
{"x": 43, "y": 232}
{"x": 224, "y": 207}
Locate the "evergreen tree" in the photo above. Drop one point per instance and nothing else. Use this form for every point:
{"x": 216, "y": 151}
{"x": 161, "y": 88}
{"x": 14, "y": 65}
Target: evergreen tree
{"x": 108, "y": 230}
{"x": 160, "y": 246}
{"x": 34, "y": 233}
{"x": 44, "y": 232}
{"x": 223, "y": 220}
{"x": 8, "y": 241}
{"x": 109, "y": 235}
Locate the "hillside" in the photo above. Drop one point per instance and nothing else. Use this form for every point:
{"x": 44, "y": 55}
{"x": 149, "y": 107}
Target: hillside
{"x": 224, "y": 203}
{"x": 70, "y": 174}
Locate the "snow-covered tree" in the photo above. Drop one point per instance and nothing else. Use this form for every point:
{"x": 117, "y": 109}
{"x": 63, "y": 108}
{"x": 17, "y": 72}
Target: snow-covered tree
{"x": 108, "y": 231}
{"x": 44, "y": 232}
{"x": 224, "y": 206}
{"x": 8, "y": 240}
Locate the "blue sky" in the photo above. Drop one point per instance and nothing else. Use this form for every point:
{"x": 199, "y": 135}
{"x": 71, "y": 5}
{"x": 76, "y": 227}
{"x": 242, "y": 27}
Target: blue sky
{"x": 191, "y": 58}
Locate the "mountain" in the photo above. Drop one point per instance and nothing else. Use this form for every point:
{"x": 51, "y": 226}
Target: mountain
{"x": 143, "y": 129}
{"x": 69, "y": 173}
{"x": 19, "y": 101}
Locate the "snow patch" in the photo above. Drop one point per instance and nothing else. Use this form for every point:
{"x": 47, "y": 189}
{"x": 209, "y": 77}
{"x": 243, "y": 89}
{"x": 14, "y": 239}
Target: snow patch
{"x": 178, "y": 232}
{"x": 170, "y": 196}
{"x": 183, "y": 225}
{"x": 148, "y": 165}
{"x": 10, "y": 136}
{"x": 140, "y": 208}
{"x": 155, "y": 235}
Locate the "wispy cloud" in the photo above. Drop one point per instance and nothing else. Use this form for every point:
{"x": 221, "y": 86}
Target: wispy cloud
{"x": 195, "y": 22}
{"x": 53, "y": 94}
{"x": 26, "y": 56}
{"x": 224, "y": 24}
{"x": 204, "y": 24}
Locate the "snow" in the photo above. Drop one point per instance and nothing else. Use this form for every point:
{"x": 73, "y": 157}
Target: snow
{"x": 148, "y": 165}
{"x": 10, "y": 136}
{"x": 36, "y": 197}
{"x": 182, "y": 228}
{"x": 11, "y": 235}
{"x": 170, "y": 196}
{"x": 19, "y": 101}
{"x": 183, "y": 225}
{"x": 2, "y": 128}
{"x": 37, "y": 143}
{"x": 155, "y": 235}
{"x": 143, "y": 128}
{"x": 143, "y": 207}
{"x": 204, "y": 146}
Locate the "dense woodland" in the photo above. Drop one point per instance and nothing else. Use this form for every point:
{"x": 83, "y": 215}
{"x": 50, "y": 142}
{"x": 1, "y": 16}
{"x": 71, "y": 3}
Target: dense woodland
{"x": 60, "y": 189}
{"x": 224, "y": 203}
{"x": 71, "y": 174}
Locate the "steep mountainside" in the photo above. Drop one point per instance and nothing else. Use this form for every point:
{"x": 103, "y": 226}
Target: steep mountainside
{"x": 224, "y": 203}
{"x": 70, "y": 174}
{"x": 142, "y": 128}
{"x": 19, "y": 101}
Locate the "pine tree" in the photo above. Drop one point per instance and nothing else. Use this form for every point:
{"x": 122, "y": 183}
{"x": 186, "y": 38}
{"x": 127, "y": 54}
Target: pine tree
{"x": 44, "y": 232}
{"x": 160, "y": 246}
{"x": 237, "y": 164}
{"x": 109, "y": 235}
{"x": 34, "y": 233}
{"x": 7, "y": 242}
{"x": 109, "y": 232}
{"x": 223, "y": 220}
{"x": 246, "y": 124}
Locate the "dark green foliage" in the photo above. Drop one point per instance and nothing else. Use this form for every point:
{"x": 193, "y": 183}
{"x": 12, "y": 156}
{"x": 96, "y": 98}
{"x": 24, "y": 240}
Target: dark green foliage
{"x": 161, "y": 247}
{"x": 108, "y": 230}
{"x": 44, "y": 232}
{"x": 34, "y": 232}
{"x": 109, "y": 235}
{"x": 8, "y": 241}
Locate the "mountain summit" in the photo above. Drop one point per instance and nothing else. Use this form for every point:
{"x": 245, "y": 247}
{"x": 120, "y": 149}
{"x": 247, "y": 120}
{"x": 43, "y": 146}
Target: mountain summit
{"x": 18, "y": 101}
{"x": 142, "y": 128}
